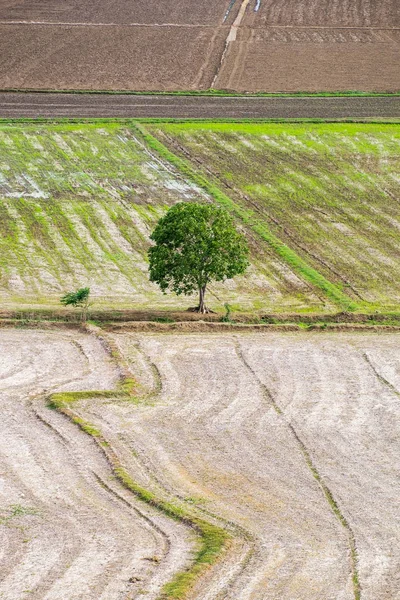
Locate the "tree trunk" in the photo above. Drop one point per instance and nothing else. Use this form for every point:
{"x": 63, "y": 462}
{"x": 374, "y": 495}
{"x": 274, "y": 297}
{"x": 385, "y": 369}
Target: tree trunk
{"x": 202, "y": 307}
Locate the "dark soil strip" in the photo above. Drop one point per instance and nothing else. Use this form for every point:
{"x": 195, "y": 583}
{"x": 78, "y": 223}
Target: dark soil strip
{"x": 307, "y": 457}
{"x": 228, "y": 12}
{"x": 32, "y": 105}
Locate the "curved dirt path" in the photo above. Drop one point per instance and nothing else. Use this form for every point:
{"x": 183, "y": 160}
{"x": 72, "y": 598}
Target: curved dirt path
{"x": 68, "y": 530}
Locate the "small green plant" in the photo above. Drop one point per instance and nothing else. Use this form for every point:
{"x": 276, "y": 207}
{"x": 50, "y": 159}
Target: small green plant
{"x": 164, "y": 320}
{"x": 78, "y": 299}
{"x": 227, "y": 316}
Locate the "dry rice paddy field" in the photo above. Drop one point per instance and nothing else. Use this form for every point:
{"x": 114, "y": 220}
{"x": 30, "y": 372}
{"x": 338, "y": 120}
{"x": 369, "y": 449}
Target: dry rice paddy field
{"x": 288, "y": 442}
{"x": 241, "y": 45}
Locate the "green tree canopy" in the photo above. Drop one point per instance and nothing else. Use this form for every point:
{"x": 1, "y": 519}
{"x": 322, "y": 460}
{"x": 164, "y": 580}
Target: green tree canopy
{"x": 78, "y": 299}
{"x": 194, "y": 245}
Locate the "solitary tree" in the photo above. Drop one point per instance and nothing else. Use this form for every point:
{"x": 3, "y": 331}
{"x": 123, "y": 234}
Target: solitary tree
{"x": 78, "y": 299}
{"x": 194, "y": 245}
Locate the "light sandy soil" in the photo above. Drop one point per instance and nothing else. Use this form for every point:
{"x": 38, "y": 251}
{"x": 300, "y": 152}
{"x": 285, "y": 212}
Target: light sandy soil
{"x": 67, "y": 529}
{"x": 253, "y": 431}
{"x": 211, "y": 431}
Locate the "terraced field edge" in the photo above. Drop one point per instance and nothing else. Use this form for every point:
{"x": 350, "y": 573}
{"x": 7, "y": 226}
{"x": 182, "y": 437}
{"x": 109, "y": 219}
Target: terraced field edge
{"x": 286, "y": 253}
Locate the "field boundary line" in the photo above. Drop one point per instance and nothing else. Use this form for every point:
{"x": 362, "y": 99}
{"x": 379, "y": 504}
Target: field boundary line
{"x": 203, "y": 326}
{"x": 232, "y": 34}
{"x": 314, "y": 471}
{"x": 211, "y": 92}
{"x": 34, "y": 121}
{"x": 323, "y": 27}
{"x": 287, "y": 254}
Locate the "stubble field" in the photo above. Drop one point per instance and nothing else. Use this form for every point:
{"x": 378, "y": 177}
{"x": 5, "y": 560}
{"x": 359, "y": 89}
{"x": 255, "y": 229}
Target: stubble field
{"x": 289, "y": 442}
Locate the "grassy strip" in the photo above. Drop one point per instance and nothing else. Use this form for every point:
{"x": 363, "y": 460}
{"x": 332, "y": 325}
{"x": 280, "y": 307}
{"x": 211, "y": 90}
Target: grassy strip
{"x": 250, "y": 218}
{"x": 213, "y": 539}
{"x": 211, "y": 92}
{"x": 204, "y": 326}
{"x": 27, "y": 317}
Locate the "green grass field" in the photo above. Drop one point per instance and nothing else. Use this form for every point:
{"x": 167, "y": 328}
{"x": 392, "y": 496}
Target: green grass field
{"x": 77, "y": 204}
{"x": 331, "y": 192}
{"x": 319, "y": 203}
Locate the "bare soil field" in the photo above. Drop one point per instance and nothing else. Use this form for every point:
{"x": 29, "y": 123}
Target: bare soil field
{"x": 68, "y": 530}
{"x": 310, "y": 60}
{"x": 242, "y": 45}
{"x": 108, "y": 57}
{"x": 77, "y": 206}
{"x": 291, "y": 441}
{"x": 320, "y": 13}
{"x": 287, "y": 45}
{"x": 120, "y": 45}
{"x": 17, "y": 105}
{"x": 183, "y": 12}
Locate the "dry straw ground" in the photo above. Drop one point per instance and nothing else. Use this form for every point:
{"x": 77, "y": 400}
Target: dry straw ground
{"x": 288, "y": 441}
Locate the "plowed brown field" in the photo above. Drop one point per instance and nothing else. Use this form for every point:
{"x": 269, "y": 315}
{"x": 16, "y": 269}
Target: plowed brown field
{"x": 184, "y": 12}
{"x": 243, "y": 45}
{"x": 112, "y": 45}
{"x": 287, "y": 45}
